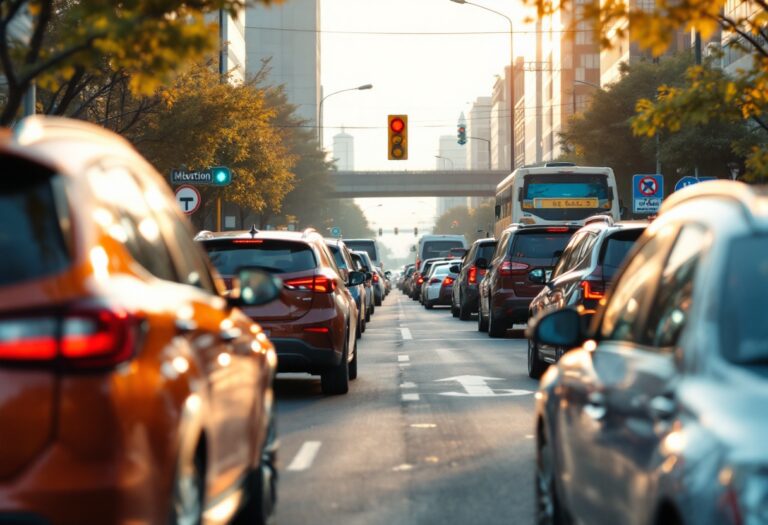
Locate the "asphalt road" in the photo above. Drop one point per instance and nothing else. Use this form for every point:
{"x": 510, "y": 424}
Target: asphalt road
{"x": 420, "y": 438}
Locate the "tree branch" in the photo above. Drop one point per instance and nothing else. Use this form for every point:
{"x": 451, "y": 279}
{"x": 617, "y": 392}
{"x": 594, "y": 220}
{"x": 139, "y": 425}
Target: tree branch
{"x": 36, "y": 42}
{"x": 744, "y": 34}
{"x": 59, "y": 57}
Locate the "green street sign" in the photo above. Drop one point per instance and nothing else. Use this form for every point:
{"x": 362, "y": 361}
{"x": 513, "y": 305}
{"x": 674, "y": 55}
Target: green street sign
{"x": 221, "y": 176}
{"x": 215, "y": 176}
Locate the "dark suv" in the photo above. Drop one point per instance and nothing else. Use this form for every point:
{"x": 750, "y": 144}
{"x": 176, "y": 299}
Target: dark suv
{"x": 465, "y": 289}
{"x": 313, "y": 324}
{"x": 522, "y": 253}
{"x": 581, "y": 277}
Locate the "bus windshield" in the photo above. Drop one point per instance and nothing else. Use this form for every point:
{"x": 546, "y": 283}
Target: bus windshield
{"x": 565, "y": 196}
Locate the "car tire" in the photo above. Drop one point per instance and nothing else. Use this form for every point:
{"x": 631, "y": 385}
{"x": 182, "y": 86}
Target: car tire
{"x": 363, "y": 324}
{"x": 188, "y": 494}
{"x": 549, "y": 509}
{"x": 482, "y": 321}
{"x": 367, "y": 314}
{"x": 335, "y": 381}
{"x": 536, "y": 367}
{"x": 377, "y": 299}
{"x": 428, "y": 305}
{"x": 464, "y": 312}
{"x": 353, "y": 365}
{"x": 496, "y": 327}
{"x": 261, "y": 485}
{"x": 454, "y": 311}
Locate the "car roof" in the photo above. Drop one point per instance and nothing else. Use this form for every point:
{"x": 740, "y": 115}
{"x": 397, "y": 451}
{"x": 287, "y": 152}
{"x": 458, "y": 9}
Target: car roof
{"x": 485, "y": 240}
{"x": 282, "y": 235}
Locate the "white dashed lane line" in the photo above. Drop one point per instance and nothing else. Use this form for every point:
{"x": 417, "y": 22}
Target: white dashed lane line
{"x": 405, "y": 333}
{"x": 402, "y": 358}
{"x": 305, "y": 456}
{"x": 411, "y": 397}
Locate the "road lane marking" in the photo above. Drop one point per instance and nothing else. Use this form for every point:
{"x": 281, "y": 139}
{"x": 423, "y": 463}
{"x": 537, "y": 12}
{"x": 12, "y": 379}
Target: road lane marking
{"x": 305, "y": 456}
{"x": 476, "y": 386}
{"x": 423, "y": 425}
{"x": 411, "y": 397}
{"x": 408, "y": 384}
{"x": 405, "y": 333}
{"x": 402, "y": 358}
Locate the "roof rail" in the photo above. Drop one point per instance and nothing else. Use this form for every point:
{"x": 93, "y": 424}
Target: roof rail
{"x": 203, "y": 234}
{"x": 307, "y": 232}
{"x": 601, "y": 217}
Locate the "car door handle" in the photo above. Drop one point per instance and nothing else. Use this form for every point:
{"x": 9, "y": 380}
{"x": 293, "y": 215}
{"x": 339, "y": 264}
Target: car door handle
{"x": 595, "y": 406}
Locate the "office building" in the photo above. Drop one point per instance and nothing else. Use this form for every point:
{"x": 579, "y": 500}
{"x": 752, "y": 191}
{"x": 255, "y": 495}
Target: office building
{"x": 294, "y": 56}
{"x": 451, "y": 156}
{"x": 344, "y": 151}
{"x": 479, "y": 129}
{"x": 500, "y": 122}
{"x": 232, "y": 51}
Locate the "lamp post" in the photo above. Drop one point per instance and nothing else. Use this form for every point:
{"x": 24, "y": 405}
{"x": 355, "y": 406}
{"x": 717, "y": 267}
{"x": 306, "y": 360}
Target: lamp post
{"x": 582, "y": 82}
{"x": 489, "y": 148}
{"x": 320, "y": 108}
{"x": 511, "y": 72}
{"x": 453, "y": 166}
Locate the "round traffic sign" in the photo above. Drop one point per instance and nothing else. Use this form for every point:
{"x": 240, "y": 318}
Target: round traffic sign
{"x": 336, "y": 231}
{"x": 188, "y": 198}
{"x": 648, "y": 186}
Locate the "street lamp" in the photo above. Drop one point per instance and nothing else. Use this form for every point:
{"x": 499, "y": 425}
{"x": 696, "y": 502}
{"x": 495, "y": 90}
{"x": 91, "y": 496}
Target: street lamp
{"x": 573, "y": 91}
{"x": 453, "y": 166}
{"x": 489, "y": 149}
{"x": 320, "y": 108}
{"x": 511, "y": 72}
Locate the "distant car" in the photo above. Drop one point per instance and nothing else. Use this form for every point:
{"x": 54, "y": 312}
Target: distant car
{"x": 438, "y": 246}
{"x": 581, "y": 277}
{"x": 377, "y": 286}
{"x": 123, "y": 363}
{"x": 521, "y": 253}
{"x": 426, "y": 272}
{"x": 464, "y": 298}
{"x": 364, "y": 265}
{"x": 658, "y": 413}
{"x": 314, "y": 324}
{"x": 369, "y": 246}
{"x": 438, "y": 287}
{"x": 343, "y": 259}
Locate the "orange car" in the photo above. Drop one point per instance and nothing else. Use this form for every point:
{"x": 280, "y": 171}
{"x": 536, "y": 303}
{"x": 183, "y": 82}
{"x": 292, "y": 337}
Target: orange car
{"x": 131, "y": 390}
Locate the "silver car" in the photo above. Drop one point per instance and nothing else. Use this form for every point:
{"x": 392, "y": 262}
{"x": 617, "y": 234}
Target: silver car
{"x": 660, "y": 415}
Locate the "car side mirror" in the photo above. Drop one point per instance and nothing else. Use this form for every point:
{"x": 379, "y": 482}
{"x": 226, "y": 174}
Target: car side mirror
{"x": 388, "y": 274}
{"x": 537, "y": 276}
{"x": 368, "y": 276}
{"x": 557, "y": 254}
{"x": 455, "y": 268}
{"x": 563, "y": 327}
{"x": 254, "y": 287}
{"x": 413, "y": 249}
{"x": 482, "y": 263}
{"x": 356, "y": 278}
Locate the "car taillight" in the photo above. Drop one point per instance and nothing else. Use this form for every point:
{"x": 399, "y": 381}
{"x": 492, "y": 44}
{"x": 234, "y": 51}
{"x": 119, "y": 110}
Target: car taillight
{"x": 420, "y": 280}
{"x": 81, "y": 336}
{"x": 558, "y": 229}
{"x": 448, "y": 281}
{"x": 317, "y": 283}
{"x": 508, "y": 268}
{"x": 434, "y": 280}
{"x": 375, "y": 277}
{"x": 592, "y": 289}
{"x": 472, "y": 275}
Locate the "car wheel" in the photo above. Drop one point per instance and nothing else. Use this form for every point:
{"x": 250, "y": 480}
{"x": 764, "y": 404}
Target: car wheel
{"x": 428, "y": 305}
{"x": 496, "y": 327}
{"x": 377, "y": 299}
{"x": 536, "y": 367}
{"x": 353, "y": 365}
{"x": 363, "y": 323}
{"x": 482, "y": 321}
{"x": 454, "y": 311}
{"x": 189, "y": 493}
{"x": 336, "y": 380}
{"x": 261, "y": 485}
{"x": 548, "y": 508}
{"x": 464, "y": 313}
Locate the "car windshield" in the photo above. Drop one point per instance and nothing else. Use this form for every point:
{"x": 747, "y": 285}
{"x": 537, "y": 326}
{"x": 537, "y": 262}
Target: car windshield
{"x": 272, "y": 256}
{"x": 434, "y": 249}
{"x": 744, "y": 332}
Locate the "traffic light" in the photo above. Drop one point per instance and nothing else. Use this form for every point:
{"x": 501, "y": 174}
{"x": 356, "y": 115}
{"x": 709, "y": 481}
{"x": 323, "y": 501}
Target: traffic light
{"x": 381, "y": 232}
{"x": 221, "y": 176}
{"x": 396, "y": 230}
{"x": 461, "y": 134}
{"x": 397, "y": 130}
{"x": 415, "y": 232}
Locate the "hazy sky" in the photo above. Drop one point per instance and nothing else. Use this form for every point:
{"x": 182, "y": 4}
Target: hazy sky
{"x": 430, "y": 77}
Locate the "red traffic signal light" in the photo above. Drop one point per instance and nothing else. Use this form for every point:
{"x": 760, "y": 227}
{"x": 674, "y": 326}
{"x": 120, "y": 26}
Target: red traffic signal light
{"x": 397, "y": 125}
{"x": 397, "y": 130}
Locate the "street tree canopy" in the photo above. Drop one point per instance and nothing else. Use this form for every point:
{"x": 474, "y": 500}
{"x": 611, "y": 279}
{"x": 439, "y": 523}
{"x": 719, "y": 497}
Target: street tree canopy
{"x": 48, "y": 41}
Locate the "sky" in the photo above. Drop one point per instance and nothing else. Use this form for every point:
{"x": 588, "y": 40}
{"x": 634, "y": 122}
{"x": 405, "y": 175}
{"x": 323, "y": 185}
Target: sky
{"x": 432, "y": 78}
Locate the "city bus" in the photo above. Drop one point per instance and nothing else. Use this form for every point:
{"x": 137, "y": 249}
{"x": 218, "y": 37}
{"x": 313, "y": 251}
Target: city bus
{"x": 555, "y": 193}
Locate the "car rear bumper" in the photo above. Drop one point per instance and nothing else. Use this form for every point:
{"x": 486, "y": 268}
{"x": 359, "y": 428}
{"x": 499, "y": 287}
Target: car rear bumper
{"x": 295, "y": 355}
{"x": 515, "y": 309}
{"x": 470, "y": 297}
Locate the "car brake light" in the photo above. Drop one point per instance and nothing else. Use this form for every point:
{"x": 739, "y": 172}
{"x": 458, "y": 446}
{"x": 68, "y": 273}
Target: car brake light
{"x": 557, "y": 229}
{"x": 318, "y": 283}
{"x": 248, "y": 241}
{"x": 448, "y": 281}
{"x": 375, "y": 277}
{"x": 508, "y": 268}
{"x": 593, "y": 290}
{"x": 420, "y": 280}
{"x": 472, "y": 275}
{"x": 81, "y": 336}
{"x": 317, "y": 329}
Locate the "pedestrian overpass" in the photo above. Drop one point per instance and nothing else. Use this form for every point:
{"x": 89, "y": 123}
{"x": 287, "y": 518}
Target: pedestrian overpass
{"x": 446, "y": 183}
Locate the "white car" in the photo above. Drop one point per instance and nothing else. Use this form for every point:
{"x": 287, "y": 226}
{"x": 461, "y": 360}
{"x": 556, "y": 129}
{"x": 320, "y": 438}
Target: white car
{"x": 439, "y": 286}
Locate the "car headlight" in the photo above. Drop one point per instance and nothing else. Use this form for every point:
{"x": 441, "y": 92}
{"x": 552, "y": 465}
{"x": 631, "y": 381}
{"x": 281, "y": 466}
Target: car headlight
{"x": 746, "y": 497}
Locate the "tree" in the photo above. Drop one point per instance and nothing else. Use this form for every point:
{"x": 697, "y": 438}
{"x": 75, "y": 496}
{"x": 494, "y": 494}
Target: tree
{"x": 348, "y": 216}
{"x": 708, "y": 95}
{"x": 472, "y": 224}
{"x": 204, "y": 122}
{"x": 147, "y": 40}
{"x": 603, "y": 134}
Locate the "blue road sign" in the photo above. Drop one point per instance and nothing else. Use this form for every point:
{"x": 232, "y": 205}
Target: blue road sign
{"x": 647, "y": 193}
{"x": 336, "y": 231}
{"x": 690, "y": 181}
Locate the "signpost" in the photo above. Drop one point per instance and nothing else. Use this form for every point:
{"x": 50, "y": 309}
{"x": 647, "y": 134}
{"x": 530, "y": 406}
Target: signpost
{"x": 647, "y": 193}
{"x": 188, "y": 198}
{"x": 213, "y": 176}
{"x": 336, "y": 232}
{"x": 690, "y": 181}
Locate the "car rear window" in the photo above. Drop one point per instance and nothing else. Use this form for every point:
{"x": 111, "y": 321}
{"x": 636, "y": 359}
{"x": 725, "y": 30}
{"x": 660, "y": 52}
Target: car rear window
{"x": 337, "y": 257}
{"x": 270, "y": 255}
{"x": 549, "y": 245}
{"x": 434, "y": 249}
{"x": 34, "y": 222}
{"x": 363, "y": 246}
{"x": 744, "y": 332}
{"x": 615, "y": 249}
{"x": 485, "y": 251}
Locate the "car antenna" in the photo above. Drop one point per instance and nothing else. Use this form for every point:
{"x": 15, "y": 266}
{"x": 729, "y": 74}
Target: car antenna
{"x": 253, "y": 231}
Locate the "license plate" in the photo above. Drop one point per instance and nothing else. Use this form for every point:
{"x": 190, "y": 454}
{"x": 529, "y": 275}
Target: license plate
{"x": 565, "y": 203}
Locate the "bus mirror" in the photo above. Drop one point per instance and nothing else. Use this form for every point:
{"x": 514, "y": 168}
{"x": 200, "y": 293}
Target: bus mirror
{"x": 497, "y": 211}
